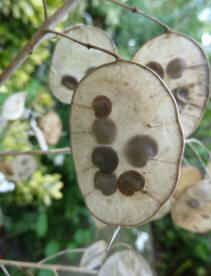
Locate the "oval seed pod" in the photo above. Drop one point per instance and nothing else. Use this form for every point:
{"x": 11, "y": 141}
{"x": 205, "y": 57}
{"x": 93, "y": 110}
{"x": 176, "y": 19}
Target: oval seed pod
{"x": 192, "y": 208}
{"x": 13, "y": 107}
{"x": 183, "y": 65}
{"x": 189, "y": 175}
{"x": 51, "y": 126}
{"x": 94, "y": 255}
{"x": 124, "y": 263}
{"x": 23, "y": 166}
{"x": 72, "y": 61}
{"x": 125, "y": 182}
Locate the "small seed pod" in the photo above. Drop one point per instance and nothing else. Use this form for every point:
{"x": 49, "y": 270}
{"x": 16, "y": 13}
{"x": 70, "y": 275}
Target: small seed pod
{"x": 51, "y": 126}
{"x": 189, "y": 175}
{"x": 127, "y": 177}
{"x": 72, "y": 61}
{"x": 183, "y": 65}
{"x": 13, "y": 107}
{"x": 125, "y": 262}
{"x": 23, "y": 166}
{"x": 192, "y": 208}
{"x": 94, "y": 255}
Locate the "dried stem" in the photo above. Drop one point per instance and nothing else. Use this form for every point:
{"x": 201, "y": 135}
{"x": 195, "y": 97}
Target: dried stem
{"x": 196, "y": 141}
{"x": 87, "y": 45}
{"x": 135, "y": 10}
{"x": 45, "y": 9}
{"x": 35, "y": 152}
{"x": 116, "y": 231}
{"x": 36, "y": 39}
{"x": 4, "y": 270}
{"x": 47, "y": 266}
{"x": 76, "y": 250}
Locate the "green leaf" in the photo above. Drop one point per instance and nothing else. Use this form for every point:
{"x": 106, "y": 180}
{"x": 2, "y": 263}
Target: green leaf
{"x": 51, "y": 248}
{"x": 42, "y": 225}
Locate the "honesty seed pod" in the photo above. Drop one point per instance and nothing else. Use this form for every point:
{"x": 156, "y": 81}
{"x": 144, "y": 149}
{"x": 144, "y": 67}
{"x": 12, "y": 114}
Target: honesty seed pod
{"x": 23, "y": 166}
{"x": 13, "y": 107}
{"x": 125, "y": 263}
{"x": 72, "y": 61}
{"x": 51, "y": 126}
{"x": 192, "y": 208}
{"x": 189, "y": 175}
{"x": 183, "y": 65}
{"x": 126, "y": 178}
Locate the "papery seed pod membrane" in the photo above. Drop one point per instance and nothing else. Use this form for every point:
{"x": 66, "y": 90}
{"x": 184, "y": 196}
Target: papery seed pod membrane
{"x": 183, "y": 65}
{"x": 125, "y": 178}
{"x": 13, "y": 107}
{"x": 192, "y": 208}
{"x": 99, "y": 224}
{"x": 23, "y": 166}
{"x": 124, "y": 263}
{"x": 72, "y": 61}
{"x": 189, "y": 175}
{"x": 94, "y": 255}
{"x": 51, "y": 126}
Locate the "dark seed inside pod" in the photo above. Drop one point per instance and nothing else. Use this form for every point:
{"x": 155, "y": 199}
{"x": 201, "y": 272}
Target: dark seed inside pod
{"x": 102, "y": 106}
{"x": 193, "y": 203}
{"x": 176, "y": 67}
{"x": 90, "y": 69}
{"x": 130, "y": 182}
{"x": 104, "y": 130}
{"x": 155, "y": 66}
{"x": 181, "y": 97}
{"x": 139, "y": 149}
{"x": 69, "y": 82}
{"x": 105, "y": 158}
{"x": 105, "y": 182}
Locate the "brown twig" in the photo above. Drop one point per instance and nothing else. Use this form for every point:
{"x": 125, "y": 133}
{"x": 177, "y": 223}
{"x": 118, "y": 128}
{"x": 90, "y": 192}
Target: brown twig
{"x": 45, "y": 9}
{"x": 36, "y": 39}
{"x": 135, "y": 10}
{"x": 35, "y": 152}
{"x": 87, "y": 45}
{"x": 47, "y": 266}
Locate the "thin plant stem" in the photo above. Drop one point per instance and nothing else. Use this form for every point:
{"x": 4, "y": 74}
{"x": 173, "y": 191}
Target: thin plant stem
{"x": 196, "y": 141}
{"x": 63, "y": 252}
{"x": 36, "y": 39}
{"x": 35, "y": 152}
{"x": 55, "y": 272}
{"x": 45, "y": 9}
{"x": 136, "y": 10}
{"x": 116, "y": 231}
{"x": 87, "y": 45}
{"x": 200, "y": 160}
{"x": 53, "y": 267}
{"x": 4, "y": 270}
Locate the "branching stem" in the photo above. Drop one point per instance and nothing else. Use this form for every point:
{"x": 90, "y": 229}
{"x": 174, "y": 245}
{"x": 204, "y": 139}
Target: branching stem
{"x": 45, "y": 9}
{"x": 87, "y": 45}
{"x": 135, "y": 10}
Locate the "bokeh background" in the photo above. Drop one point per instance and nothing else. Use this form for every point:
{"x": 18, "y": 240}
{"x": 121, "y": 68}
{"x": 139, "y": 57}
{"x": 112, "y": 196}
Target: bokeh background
{"x": 46, "y": 213}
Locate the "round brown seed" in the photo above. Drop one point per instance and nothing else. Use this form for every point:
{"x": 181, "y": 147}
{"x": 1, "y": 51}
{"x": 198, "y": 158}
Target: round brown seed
{"x": 181, "y": 97}
{"x": 193, "y": 203}
{"x": 155, "y": 66}
{"x": 105, "y": 158}
{"x": 90, "y": 69}
{"x": 102, "y": 106}
{"x": 176, "y": 67}
{"x": 104, "y": 130}
{"x": 139, "y": 149}
{"x": 130, "y": 182}
{"x": 69, "y": 81}
{"x": 105, "y": 182}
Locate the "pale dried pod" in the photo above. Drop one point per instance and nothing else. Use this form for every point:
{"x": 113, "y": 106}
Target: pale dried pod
{"x": 189, "y": 175}
{"x": 51, "y": 126}
{"x": 72, "y": 61}
{"x": 13, "y": 107}
{"x": 23, "y": 166}
{"x": 94, "y": 255}
{"x": 126, "y": 181}
{"x": 124, "y": 263}
{"x": 192, "y": 208}
{"x": 183, "y": 65}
